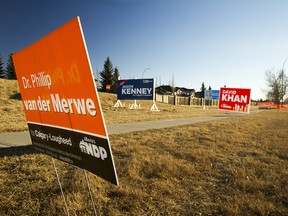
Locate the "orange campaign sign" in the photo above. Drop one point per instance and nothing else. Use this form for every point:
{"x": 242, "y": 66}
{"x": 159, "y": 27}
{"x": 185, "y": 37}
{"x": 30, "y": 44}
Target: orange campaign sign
{"x": 61, "y": 101}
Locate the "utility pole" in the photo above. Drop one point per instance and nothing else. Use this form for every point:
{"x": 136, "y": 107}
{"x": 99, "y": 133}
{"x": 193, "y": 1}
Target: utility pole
{"x": 282, "y": 81}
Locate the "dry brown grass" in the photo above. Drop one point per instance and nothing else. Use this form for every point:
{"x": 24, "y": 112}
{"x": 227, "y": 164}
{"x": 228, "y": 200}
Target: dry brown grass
{"x": 11, "y": 108}
{"x": 13, "y": 117}
{"x": 236, "y": 166}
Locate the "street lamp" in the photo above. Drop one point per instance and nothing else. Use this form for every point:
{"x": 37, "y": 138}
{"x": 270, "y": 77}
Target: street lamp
{"x": 282, "y": 87}
{"x": 144, "y": 71}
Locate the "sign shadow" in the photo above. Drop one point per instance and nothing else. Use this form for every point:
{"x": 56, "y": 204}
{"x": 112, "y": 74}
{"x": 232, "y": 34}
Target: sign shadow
{"x": 17, "y": 151}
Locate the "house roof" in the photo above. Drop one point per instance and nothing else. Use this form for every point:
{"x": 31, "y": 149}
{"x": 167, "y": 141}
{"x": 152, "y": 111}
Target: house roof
{"x": 167, "y": 89}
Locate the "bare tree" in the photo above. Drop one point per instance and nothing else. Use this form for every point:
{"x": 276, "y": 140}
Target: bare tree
{"x": 277, "y": 85}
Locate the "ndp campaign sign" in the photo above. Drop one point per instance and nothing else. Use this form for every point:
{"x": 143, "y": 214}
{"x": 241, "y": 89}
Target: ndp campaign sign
{"x": 211, "y": 94}
{"x": 61, "y": 102}
{"x": 135, "y": 89}
{"x": 234, "y": 99}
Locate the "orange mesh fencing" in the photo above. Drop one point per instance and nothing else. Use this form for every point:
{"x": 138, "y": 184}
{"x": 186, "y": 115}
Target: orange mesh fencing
{"x": 272, "y": 105}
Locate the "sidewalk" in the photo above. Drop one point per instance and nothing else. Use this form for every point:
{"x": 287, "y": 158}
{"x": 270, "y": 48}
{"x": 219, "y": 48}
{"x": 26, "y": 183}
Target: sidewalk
{"x": 13, "y": 139}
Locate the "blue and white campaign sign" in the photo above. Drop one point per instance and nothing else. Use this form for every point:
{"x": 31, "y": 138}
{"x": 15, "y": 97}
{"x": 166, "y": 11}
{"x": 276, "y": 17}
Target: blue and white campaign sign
{"x": 135, "y": 89}
{"x": 211, "y": 94}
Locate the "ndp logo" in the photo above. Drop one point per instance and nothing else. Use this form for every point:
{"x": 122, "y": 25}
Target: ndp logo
{"x": 88, "y": 146}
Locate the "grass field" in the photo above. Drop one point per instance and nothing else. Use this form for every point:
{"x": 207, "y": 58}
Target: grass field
{"x": 13, "y": 118}
{"x": 236, "y": 166}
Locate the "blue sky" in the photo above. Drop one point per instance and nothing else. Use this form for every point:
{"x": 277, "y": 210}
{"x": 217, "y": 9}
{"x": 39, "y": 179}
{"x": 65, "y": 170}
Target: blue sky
{"x": 218, "y": 42}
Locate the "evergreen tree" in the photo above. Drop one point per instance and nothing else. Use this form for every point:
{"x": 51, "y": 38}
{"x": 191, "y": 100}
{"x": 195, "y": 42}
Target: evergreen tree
{"x": 203, "y": 88}
{"x": 106, "y": 75}
{"x": 10, "y": 70}
{"x": 210, "y": 88}
{"x": 115, "y": 78}
{"x": 2, "y": 71}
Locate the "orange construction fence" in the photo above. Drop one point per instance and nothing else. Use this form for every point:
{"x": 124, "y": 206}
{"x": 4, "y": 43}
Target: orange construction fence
{"x": 271, "y": 105}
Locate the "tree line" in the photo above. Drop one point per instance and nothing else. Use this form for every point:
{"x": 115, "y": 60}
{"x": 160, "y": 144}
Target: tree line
{"x": 7, "y": 72}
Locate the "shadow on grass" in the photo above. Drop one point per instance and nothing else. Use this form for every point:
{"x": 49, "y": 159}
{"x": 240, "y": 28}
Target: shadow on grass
{"x": 17, "y": 151}
{"x": 16, "y": 96}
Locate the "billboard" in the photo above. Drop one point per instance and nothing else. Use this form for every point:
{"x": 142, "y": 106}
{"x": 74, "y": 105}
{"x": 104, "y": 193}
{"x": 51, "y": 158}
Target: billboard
{"x": 61, "y": 102}
{"x": 135, "y": 89}
{"x": 234, "y": 99}
{"x": 211, "y": 94}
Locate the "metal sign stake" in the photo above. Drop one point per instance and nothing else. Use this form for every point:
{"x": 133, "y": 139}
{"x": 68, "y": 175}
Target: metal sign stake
{"x": 66, "y": 207}
{"x": 90, "y": 192}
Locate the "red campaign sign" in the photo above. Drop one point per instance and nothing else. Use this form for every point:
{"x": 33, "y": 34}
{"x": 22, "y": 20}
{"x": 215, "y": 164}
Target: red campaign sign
{"x": 234, "y": 99}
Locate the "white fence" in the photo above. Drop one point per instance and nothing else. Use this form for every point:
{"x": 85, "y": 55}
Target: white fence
{"x": 181, "y": 100}
{"x": 189, "y": 101}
